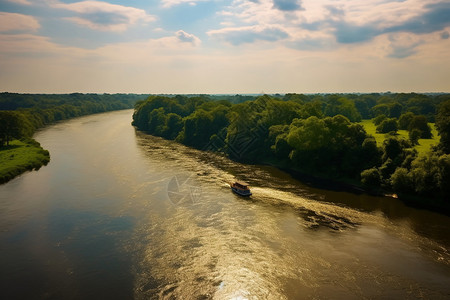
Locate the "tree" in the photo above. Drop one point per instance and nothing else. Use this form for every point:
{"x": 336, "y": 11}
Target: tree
{"x": 197, "y": 129}
{"x": 395, "y": 110}
{"x": 420, "y": 123}
{"x": 371, "y": 177}
{"x": 173, "y": 126}
{"x": 414, "y": 136}
{"x": 380, "y": 109}
{"x": 378, "y": 119}
{"x": 404, "y": 120}
{"x": 362, "y": 107}
{"x": 331, "y": 146}
{"x": 342, "y": 106}
{"x": 425, "y": 174}
{"x": 13, "y": 125}
{"x": 444, "y": 176}
{"x": 388, "y": 125}
{"x": 313, "y": 134}
{"x": 371, "y": 153}
{"x": 443, "y": 126}
{"x": 156, "y": 121}
{"x": 401, "y": 181}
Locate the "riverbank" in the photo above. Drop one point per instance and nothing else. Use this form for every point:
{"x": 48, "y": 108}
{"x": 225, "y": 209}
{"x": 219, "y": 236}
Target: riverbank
{"x": 21, "y": 156}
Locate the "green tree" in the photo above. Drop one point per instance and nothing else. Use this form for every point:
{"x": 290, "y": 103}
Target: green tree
{"x": 13, "y": 125}
{"x": 420, "y": 123}
{"x": 378, "y": 119}
{"x": 443, "y": 126}
{"x": 173, "y": 126}
{"x": 388, "y": 125}
{"x": 395, "y": 110}
{"x": 197, "y": 129}
{"x": 311, "y": 135}
{"x": 342, "y": 106}
{"x": 414, "y": 136}
{"x": 371, "y": 178}
{"x": 371, "y": 153}
{"x": 444, "y": 176}
{"x": 380, "y": 109}
{"x": 156, "y": 121}
{"x": 425, "y": 175}
{"x": 404, "y": 120}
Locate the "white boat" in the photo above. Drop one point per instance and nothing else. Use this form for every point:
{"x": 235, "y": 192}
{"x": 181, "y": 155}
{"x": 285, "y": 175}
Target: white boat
{"x": 241, "y": 188}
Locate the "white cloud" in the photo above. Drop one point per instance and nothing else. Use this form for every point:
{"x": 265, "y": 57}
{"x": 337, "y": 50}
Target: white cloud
{"x": 170, "y": 3}
{"x": 249, "y": 34}
{"x": 22, "y": 2}
{"x": 140, "y": 52}
{"x": 330, "y": 24}
{"x": 17, "y": 22}
{"x": 259, "y": 12}
{"x": 185, "y": 37}
{"x": 105, "y": 16}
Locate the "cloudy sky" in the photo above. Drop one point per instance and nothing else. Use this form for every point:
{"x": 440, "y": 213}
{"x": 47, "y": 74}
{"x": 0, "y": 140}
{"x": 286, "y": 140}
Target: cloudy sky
{"x": 224, "y": 46}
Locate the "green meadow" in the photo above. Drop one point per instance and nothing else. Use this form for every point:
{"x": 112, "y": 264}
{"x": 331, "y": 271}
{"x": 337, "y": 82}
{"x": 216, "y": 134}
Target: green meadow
{"x": 422, "y": 148}
{"x": 21, "y": 156}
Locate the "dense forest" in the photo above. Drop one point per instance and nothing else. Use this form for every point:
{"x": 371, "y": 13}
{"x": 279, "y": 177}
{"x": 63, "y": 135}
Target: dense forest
{"x": 318, "y": 135}
{"x": 22, "y": 114}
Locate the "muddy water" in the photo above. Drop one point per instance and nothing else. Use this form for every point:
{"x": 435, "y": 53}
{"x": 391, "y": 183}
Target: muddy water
{"x": 120, "y": 214}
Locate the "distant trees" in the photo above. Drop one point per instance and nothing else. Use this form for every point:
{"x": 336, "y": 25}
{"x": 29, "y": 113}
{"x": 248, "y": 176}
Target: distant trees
{"x": 342, "y": 106}
{"x": 34, "y": 111}
{"x": 22, "y": 114}
{"x": 387, "y": 108}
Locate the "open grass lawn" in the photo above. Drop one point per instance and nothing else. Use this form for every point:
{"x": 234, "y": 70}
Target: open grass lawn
{"x": 19, "y": 157}
{"x": 424, "y": 144}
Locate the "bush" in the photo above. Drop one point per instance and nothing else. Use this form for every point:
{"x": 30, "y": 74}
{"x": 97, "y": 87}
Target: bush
{"x": 387, "y": 125}
{"x": 420, "y": 123}
{"x": 371, "y": 177}
{"x": 401, "y": 181}
{"x": 378, "y": 119}
{"x": 414, "y": 136}
{"x": 405, "y": 120}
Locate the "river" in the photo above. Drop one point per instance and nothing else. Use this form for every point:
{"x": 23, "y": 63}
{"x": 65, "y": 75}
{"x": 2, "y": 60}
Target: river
{"x": 118, "y": 214}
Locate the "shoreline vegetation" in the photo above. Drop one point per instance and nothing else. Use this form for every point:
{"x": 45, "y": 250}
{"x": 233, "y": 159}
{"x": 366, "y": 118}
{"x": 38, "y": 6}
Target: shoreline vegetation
{"x": 388, "y": 144}
{"x": 21, "y": 156}
{"x": 22, "y": 114}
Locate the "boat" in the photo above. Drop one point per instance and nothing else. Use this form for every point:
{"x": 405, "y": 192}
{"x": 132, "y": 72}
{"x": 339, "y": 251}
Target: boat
{"x": 241, "y": 188}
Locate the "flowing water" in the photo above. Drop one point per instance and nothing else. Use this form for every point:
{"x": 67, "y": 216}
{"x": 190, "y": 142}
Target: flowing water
{"x": 118, "y": 214}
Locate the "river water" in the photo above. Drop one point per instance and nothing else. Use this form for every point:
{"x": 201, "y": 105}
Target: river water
{"x": 118, "y": 214}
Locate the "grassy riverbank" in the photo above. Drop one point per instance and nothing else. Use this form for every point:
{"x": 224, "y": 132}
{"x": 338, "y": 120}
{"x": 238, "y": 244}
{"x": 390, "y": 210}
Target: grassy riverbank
{"x": 21, "y": 156}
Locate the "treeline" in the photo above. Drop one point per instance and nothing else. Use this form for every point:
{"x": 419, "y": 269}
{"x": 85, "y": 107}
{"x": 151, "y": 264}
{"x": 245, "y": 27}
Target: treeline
{"x": 22, "y": 114}
{"x": 316, "y": 135}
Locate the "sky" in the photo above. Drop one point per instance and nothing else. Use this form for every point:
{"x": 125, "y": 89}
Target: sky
{"x": 219, "y": 46}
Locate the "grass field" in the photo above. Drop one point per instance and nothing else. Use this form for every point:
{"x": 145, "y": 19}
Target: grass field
{"x": 20, "y": 157}
{"x": 424, "y": 144}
